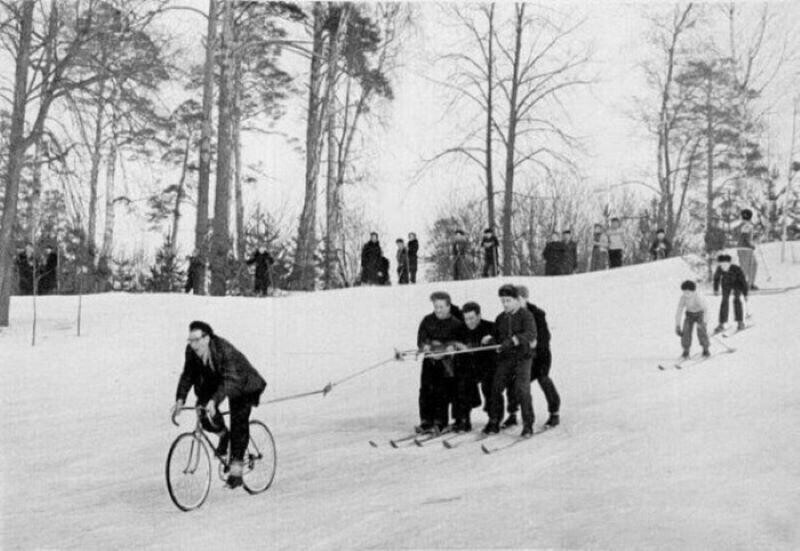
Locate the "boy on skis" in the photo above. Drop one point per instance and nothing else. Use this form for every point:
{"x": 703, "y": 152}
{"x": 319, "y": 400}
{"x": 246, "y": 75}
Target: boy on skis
{"x": 696, "y": 313}
{"x": 732, "y": 279}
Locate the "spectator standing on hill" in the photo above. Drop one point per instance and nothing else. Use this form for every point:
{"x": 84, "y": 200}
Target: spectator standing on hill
{"x": 616, "y": 244}
{"x": 413, "y": 251}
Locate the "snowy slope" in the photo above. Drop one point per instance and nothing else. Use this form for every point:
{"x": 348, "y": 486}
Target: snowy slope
{"x": 704, "y": 458}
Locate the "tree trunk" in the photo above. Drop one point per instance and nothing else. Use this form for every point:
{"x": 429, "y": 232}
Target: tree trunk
{"x": 111, "y": 169}
{"x": 331, "y": 199}
{"x": 303, "y": 270}
{"x": 237, "y": 160}
{"x": 508, "y": 200}
{"x": 204, "y": 165}
{"x": 16, "y": 155}
{"x": 94, "y": 173}
{"x": 176, "y": 212}
{"x": 220, "y": 241}
{"x": 709, "y": 163}
{"x": 489, "y": 119}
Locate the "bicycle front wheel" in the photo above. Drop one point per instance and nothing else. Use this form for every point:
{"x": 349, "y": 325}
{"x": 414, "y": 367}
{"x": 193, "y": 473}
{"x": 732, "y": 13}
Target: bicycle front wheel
{"x": 260, "y": 460}
{"x": 188, "y": 472}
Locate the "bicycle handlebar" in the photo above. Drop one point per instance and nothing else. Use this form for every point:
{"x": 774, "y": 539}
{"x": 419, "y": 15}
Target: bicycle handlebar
{"x": 197, "y": 409}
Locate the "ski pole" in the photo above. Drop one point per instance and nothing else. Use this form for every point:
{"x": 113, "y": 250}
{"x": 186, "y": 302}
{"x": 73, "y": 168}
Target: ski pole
{"x": 439, "y": 354}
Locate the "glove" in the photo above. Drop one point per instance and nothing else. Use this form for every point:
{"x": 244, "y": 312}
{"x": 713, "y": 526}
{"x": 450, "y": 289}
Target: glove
{"x": 505, "y": 346}
{"x": 486, "y": 340}
{"x": 678, "y": 331}
{"x": 176, "y": 410}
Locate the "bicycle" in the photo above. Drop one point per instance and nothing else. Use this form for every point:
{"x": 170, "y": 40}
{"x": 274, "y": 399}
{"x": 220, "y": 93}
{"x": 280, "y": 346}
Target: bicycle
{"x": 188, "y": 468}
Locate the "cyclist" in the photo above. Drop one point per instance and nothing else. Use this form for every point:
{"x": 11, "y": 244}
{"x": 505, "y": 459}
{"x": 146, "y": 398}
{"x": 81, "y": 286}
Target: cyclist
{"x": 217, "y": 370}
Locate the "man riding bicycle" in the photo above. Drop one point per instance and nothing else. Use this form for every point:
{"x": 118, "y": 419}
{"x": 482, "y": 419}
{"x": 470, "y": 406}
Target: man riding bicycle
{"x": 217, "y": 370}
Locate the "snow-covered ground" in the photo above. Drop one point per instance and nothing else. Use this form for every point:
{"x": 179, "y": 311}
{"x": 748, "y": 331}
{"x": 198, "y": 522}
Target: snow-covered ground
{"x": 704, "y": 458}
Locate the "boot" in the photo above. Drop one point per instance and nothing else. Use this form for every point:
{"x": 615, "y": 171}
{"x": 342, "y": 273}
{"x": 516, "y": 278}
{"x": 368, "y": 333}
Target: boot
{"x": 423, "y": 427}
{"x": 510, "y": 421}
{"x": 685, "y": 355}
{"x": 491, "y": 428}
{"x": 527, "y": 431}
{"x": 740, "y": 326}
{"x": 706, "y": 352}
{"x": 719, "y": 329}
{"x": 553, "y": 420}
{"x": 235, "y": 476}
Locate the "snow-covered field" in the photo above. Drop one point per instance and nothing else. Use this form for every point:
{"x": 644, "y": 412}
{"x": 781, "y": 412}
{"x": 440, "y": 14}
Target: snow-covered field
{"x": 704, "y": 458}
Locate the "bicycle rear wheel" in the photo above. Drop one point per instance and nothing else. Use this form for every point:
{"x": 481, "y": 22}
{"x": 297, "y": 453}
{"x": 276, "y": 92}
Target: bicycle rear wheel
{"x": 188, "y": 472}
{"x": 260, "y": 460}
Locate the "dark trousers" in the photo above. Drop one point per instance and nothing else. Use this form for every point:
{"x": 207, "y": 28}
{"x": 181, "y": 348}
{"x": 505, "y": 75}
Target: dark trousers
{"x": 489, "y": 268}
{"x": 412, "y": 269}
{"x": 261, "y": 285}
{"x": 487, "y": 380}
{"x": 465, "y": 391}
{"x": 240, "y": 425}
{"x": 614, "y": 258}
{"x": 402, "y": 275}
{"x": 737, "y": 306}
{"x": 515, "y": 375}
{"x": 215, "y": 425}
{"x": 435, "y": 389}
{"x": 688, "y": 328}
{"x": 540, "y": 371}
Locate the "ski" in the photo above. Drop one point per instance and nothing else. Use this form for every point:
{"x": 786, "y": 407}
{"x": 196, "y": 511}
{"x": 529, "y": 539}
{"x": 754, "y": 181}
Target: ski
{"x": 517, "y": 439}
{"x": 735, "y": 331}
{"x": 420, "y": 440}
{"x": 395, "y": 443}
{"x": 456, "y": 440}
{"x": 679, "y": 363}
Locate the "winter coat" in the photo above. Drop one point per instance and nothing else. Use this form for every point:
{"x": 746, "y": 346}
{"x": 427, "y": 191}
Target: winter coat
{"x": 555, "y": 255}
{"x": 479, "y": 362}
{"x": 571, "y": 259}
{"x": 371, "y": 262}
{"x": 383, "y": 271}
{"x": 520, "y": 324}
{"x": 49, "y": 281}
{"x": 263, "y": 261}
{"x": 542, "y": 330}
{"x": 490, "y": 246}
{"x": 25, "y": 273}
{"x": 732, "y": 280}
{"x": 445, "y": 331}
{"x": 413, "y": 250}
{"x": 229, "y": 375}
{"x": 660, "y": 249}
{"x": 460, "y": 250}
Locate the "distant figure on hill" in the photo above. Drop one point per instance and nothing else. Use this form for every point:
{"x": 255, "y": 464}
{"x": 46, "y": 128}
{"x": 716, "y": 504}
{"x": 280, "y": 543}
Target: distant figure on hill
{"x": 460, "y": 251}
{"x": 747, "y": 248}
{"x": 193, "y": 273}
{"x": 599, "y": 259}
{"x": 263, "y": 261}
{"x": 555, "y": 255}
{"x": 371, "y": 260}
{"x": 413, "y": 251}
{"x": 661, "y": 247}
{"x": 616, "y": 244}
{"x": 402, "y": 262}
{"x": 571, "y": 257}
{"x": 48, "y": 282}
{"x": 490, "y": 245}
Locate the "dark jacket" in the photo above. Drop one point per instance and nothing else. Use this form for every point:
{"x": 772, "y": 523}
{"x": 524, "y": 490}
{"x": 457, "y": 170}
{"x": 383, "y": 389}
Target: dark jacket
{"x": 542, "y": 331}
{"x": 481, "y": 362}
{"x": 413, "y": 250}
{"x": 263, "y": 261}
{"x": 445, "y": 331}
{"x": 370, "y": 262}
{"x": 732, "y": 280}
{"x": 555, "y": 255}
{"x": 49, "y": 278}
{"x": 383, "y": 271}
{"x": 230, "y": 375}
{"x": 660, "y": 249}
{"x": 489, "y": 246}
{"x": 520, "y": 324}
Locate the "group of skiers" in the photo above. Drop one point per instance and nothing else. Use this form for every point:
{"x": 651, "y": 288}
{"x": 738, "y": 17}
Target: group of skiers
{"x": 375, "y": 266}
{"x": 37, "y": 273}
{"x": 449, "y": 384}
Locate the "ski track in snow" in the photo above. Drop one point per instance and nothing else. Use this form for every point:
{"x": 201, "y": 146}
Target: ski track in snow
{"x": 703, "y": 458}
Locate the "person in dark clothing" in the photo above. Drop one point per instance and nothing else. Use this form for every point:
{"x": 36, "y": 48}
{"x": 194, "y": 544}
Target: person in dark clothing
{"x": 490, "y": 246}
{"x": 383, "y": 272}
{"x": 25, "y": 270}
{"x": 571, "y": 257}
{"x": 555, "y": 255}
{"x": 371, "y": 255}
{"x": 413, "y": 251}
{"x": 515, "y": 330}
{"x": 193, "y": 273}
{"x": 733, "y": 280}
{"x": 402, "y": 262}
{"x": 438, "y": 332}
{"x": 661, "y": 246}
{"x": 540, "y": 367}
{"x": 48, "y": 282}
{"x": 263, "y": 261}
{"x": 217, "y": 371}
{"x": 473, "y": 369}
{"x": 460, "y": 251}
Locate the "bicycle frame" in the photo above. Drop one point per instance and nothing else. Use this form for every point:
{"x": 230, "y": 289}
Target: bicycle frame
{"x": 200, "y": 434}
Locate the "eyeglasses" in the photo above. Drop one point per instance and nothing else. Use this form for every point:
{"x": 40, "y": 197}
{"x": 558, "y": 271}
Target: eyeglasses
{"x": 192, "y": 340}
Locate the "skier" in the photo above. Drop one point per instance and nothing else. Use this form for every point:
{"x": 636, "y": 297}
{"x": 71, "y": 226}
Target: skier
{"x": 616, "y": 244}
{"x": 413, "y": 250}
{"x": 402, "y": 262}
{"x": 731, "y": 278}
{"x": 371, "y": 260}
{"x": 696, "y": 313}
{"x": 747, "y": 248}
{"x": 217, "y": 371}
{"x": 193, "y": 273}
{"x": 438, "y": 331}
{"x": 555, "y": 255}
{"x": 460, "y": 250}
{"x": 515, "y": 330}
{"x": 661, "y": 246}
{"x": 571, "y": 257}
{"x": 472, "y": 369}
{"x": 489, "y": 244}
{"x": 263, "y": 261}
{"x": 540, "y": 367}
{"x": 599, "y": 249}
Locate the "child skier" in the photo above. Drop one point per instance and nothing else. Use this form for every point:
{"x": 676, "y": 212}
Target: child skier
{"x": 731, "y": 278}
{"x": 696, "y": 313}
